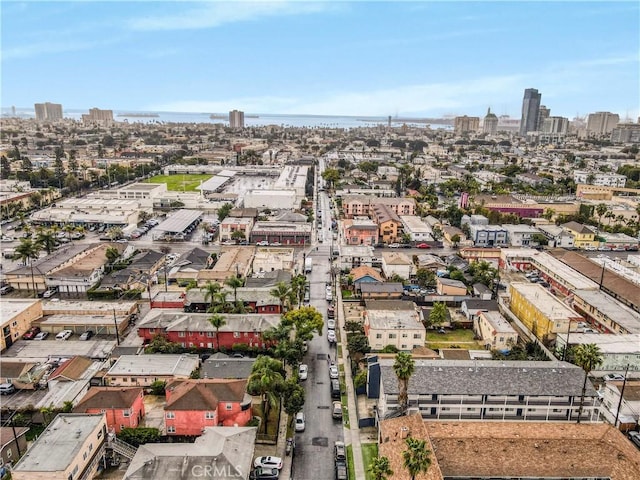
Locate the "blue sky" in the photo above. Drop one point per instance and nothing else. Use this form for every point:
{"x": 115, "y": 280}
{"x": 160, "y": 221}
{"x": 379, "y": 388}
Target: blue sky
{"x": 334, "y": 58}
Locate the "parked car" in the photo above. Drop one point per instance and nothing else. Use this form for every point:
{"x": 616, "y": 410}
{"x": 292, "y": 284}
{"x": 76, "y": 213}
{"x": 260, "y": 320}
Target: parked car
{"x": 300, "y": 422}
{"x": 6, "y": 289}
{"x": 635, "y": 438}
{"x": 331, "y": 336}
{"x": 339, "y": 452}
{"x": 394, "y": 245}
{"x": 613, "y": 377}
{"x": 336, "y": 411}
{"x": 331, "y": 324}
{"x": 41, "y": 336}
{"x": 333, "y": 371}
{"x": 303, "y": 371}
{"x": 423, "y": 245}
{"x": 64, "y": 335}
{"x": 31, "y": 333}
{"x": 50, "y": 293}
{"x": 86, "y": 335}
{"x": 262, "y": 473}
{"x": 7, "y": 388}
{"x": 268, "y": 462}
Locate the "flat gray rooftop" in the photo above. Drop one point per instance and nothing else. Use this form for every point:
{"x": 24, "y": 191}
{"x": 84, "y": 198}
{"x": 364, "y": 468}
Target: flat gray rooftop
{"x": 179, "y": 221}
{"x": 59, "y": 444}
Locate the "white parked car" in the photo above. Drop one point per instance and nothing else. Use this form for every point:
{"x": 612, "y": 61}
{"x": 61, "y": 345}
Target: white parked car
{"x": 303, "y": 371}
{"x": 333, "y": 371}
{"x": 331, "y": 324}
{"x": 331, "y": 336}
{"x": 268, "y": 462}
{"x": 64, "y": 335}
{"x": 299, "y": 422}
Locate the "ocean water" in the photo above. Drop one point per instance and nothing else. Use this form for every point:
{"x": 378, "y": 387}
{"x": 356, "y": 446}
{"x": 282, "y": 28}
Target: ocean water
{"x": 308, "y": 121}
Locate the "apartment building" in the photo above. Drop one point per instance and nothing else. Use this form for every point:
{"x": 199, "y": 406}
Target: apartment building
{"x": 417, "y": 230}
{"x": 360, "y": 231}
{"x": 602, "y": 123}
{"x": 602, "y": 179}
{"x": 354, "y": 205}
{"x": 233, "y": 224}
{"x": 583, "y": 236}
{"x": 401, "y": 328}
{"x": 96, "y": 115}
{"x": 389, "y": 224}
{"x": 16, "y": 316}
{"x": 495, "y": 331}
{"x": 464, "y": 124}
{"x": 48, "y": 111}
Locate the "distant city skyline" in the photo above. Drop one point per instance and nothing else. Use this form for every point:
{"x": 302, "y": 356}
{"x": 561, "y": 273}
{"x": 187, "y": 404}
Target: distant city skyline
{"x": 411, "y": 59}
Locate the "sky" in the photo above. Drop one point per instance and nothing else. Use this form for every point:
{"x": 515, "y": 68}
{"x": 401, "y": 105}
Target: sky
{"x": 414, "y": 58}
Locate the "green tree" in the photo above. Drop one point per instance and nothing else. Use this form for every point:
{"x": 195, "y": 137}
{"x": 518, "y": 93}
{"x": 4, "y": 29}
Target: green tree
{"x": 112, "y": 254}
{"x": 238, "y": 235}
{"x": 601, "y": 209}
{"x": 353, "y": 326}
{"x": 224, "y": 210}
{"x": 425, "y": 277}
{"x": 139, "y": 436}
{"x": 437, "y": 316}
{"x": 210, "y": 291}
{"x": 403, "y": 367}
{"x": 5, "y": 167}
{"x": 298, "y": 287}
{"x": 293, "y": 396}
{"x": 416, "y": 458}
{"x": 282, "y": 292}
{"x": 455, "y": 240}
{"x": 158, "y": 387}
{"x": 331, "y": 176}
{"x": 217, "y": 322}
{"x": 48, "y": 414}
{"x": 234, "y": 283}
{"x": 368, "y": 168}
{"x": 305, "y": 321}
{"x": 358, "y": 345}
{"x": 28, "y": 251}
{"x": 46, "y": 240}
{"x": 380, "y": 468}
{"x": 114, "y": 233}
{"x": 266, "y": 380}
{"x": 588, "y": 356}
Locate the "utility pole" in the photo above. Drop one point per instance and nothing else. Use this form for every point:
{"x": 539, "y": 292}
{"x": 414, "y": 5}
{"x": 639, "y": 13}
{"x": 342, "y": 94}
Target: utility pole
{"x": 115, "y": 323}
{"x": 624, "y": 384}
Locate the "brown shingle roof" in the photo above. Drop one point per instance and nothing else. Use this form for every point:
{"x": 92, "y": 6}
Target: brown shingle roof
{"x": 204, "y": 394}
{"x": 108, "y": 397}
{"x": 532, "y": 449}
{"x": 72, "y": 369}
{"x": 363, "y": 270}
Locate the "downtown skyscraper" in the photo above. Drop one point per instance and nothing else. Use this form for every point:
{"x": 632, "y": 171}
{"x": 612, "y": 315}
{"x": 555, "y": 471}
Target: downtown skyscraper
{"x": 530, "y": 111}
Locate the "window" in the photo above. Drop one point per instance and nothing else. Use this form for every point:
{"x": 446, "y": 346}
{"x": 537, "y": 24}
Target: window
{"x": 9, "y": 453}
{"x": 181, "y": 334}
{"x": 404, "y": 335}
{"x": 171, "y": 415}
{"x": 152, "y": 330}
{"x": 378, "y": 335}
{"x": 236, "y": 334}
{"x": 392, "y": 335}
{"x": 403, "y": 347}
{"x": 417, "y": 336}
{"x": 229, "y": 406}
{"x": 126, "y": 413}
{"x": 210, "y": 334}
{"x": 171, "y": 429}
{"x": 209, "y": 415}
{"x": 125, "y": 379}
{"x": 84, "y": 456}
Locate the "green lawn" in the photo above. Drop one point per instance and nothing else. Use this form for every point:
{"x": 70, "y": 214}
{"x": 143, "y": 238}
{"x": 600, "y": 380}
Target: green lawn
{"x": 369, "y": 452}
{"x": 350, "y": 466}
{"x": 180, "y": 183}
{"x": 460, "y": 337}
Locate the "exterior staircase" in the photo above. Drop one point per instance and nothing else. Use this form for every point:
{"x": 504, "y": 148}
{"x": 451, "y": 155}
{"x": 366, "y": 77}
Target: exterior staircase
{"x": 122, "y": 448}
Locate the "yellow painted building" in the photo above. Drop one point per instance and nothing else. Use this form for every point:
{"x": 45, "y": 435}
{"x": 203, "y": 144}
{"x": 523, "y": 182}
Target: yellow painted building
{"x": 16, "y": 316}
{"x": 542, "y": 313}
{"x": 583, "y": 236}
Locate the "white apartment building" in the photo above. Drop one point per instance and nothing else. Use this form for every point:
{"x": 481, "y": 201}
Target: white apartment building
{"x": 496, "y": 332}
{"x": 599, "y": 178}
{"x": 521, "y": 235}
{"x": 417, "y": 230}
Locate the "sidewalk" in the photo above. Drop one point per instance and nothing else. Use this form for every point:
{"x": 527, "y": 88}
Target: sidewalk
{"x": 351, "y": 435}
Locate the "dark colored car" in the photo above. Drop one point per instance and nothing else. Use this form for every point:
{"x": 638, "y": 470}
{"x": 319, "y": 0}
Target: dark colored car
{"x": 30, "y": 335}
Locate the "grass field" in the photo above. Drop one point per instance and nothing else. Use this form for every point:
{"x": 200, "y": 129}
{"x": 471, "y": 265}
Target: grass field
{"x": 369, "y": 452}
{"x": 180, "y": 183}
{"x": 350, "y": 466}
{"x": 461, "y": 338}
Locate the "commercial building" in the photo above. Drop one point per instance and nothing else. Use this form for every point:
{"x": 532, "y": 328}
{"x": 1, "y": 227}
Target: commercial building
{"x": 178, "y": 224}
{"x": 543, "y": 114}
{"x": 16, "y": 316}
{"x": 559, "y": 125}
{"x": 490, "y": 123}
{"x": 626, "y": 133}
{"x": 542, "y": 313}
{"x": 48, "y": 112}
{"x": 233, "y": 224}
{"x": 90, "y": 212}
{"x": 71, "y": 447}
{"x": 464, "y": 124}
{"x": 293, "y": 177}
{"x": 95, "y": 115}
{"x": 286, "y": 233}
{"x": 268, "y": 198}
{"x": 487, "y": 390}
{"x": 146, "y": 194}
{"x": 495, "y": 331}
{"x": 530, "y": 111}
{"x": 236, "y": 119}
{"x": 602, "y": 123}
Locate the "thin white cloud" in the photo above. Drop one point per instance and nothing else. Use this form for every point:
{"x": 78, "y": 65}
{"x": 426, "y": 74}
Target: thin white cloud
{"x": 211, "y": 15}
{"x": 53, "y": 47}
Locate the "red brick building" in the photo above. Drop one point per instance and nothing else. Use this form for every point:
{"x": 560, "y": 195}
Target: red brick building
{"x": 193, "y": 405}
{"x": 194, "y": 329}
{"x": 124, "y": 407}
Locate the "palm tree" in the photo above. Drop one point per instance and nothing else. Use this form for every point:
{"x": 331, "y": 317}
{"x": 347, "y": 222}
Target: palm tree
{"x": 46, "y": 240}
{"x": 587, "y": 356}
{"x": 28, "y": 251}
{"x": 403, "y": 368}
{"x": 265, "y": 380}
{"x": 234, "y": 283}
{"x": 217, "y": 322}
{"x": 219, "y": 302}
{"x": 210, "y": 290}
{"x": 298, "y": 286}
{"x": 416, "y": 458}
{"x": 282, "y": 291}
{"x": 601, "y": 209}
{"x": 380, "y": 468}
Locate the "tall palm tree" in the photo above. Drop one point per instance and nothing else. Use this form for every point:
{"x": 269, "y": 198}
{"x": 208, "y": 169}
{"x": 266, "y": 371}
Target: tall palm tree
{"x": 587, "y": 356}
{"x": 46, "y": 239}
{"x": 265, "y": 380}
{"x": 416, "y": 457}
{"x": 380, "y": 468}
{"x": 282, "y": 291}
{"x": 403, "y": 368}
{"x": 601, "y": 209}
{"x": 234, "y": 283}
{"x": 219, "y": 303}
{"x": 210, "y": 290}
{"x": 298, "y": 286}
{"x": 28, "y": 251}
{"x": 217, "y": 321}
